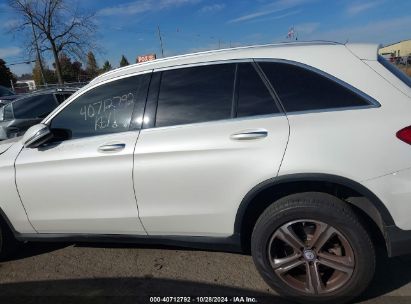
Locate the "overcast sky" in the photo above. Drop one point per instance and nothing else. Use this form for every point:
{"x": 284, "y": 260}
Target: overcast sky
{"x": 130, "y": 27}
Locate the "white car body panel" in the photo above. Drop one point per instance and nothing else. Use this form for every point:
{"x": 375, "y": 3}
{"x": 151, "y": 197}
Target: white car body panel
{"x": 183, "y": 185}
{"x": 391, "y": 78}
{"x": 190, "y": 179}
{"x": 71, "y": 187}
{"x": 10, "y": 202}
{"x": 394, "y": 190}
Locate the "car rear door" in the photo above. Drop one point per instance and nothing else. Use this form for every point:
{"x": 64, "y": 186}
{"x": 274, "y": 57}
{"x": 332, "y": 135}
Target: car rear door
{"x": 82, "y": 182}
{"x": 211, "y": 133}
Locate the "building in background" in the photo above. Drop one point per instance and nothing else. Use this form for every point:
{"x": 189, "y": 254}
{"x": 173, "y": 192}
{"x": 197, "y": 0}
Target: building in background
{"x": 399, "y": 49}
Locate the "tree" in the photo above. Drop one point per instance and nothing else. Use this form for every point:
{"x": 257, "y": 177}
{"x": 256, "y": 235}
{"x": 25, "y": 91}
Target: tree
{"x": 49, "y": 75}
{"x": 91, "y": 67}
{"x": 106, "y": 66}
{"x": 66, "y": 67}
{"x": 25, "y": 76}
{"x": 123, "y": 61}
{"x": 77, "y": 70}
{"x": 6, "y": 75}
{"x": 58, "y": 26}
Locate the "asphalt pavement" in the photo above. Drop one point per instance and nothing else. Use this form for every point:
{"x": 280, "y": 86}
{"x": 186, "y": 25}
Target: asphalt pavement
{"x": 102, "y": 273}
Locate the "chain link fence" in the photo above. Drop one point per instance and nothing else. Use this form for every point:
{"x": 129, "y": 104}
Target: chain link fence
{"x": 403, "y": 63}
{"x": 29, "y": 87}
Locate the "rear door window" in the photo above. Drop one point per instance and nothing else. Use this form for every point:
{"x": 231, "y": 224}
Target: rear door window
{"x": 195, "y": 94}
{"x": 301, "y": 89}
{"x": 254, "y": 98}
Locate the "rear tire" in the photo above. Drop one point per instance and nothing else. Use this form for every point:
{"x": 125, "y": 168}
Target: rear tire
{"x": 311, "y": 247}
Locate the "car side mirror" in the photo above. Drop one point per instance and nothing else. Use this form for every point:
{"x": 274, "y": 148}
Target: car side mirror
{"x": 36, "y": 136}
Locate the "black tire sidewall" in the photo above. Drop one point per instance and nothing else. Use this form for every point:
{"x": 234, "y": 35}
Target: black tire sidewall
{"x": 302, "y": 209}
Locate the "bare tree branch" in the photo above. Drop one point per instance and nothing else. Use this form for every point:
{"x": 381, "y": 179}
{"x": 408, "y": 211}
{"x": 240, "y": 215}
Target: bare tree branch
{"x": 60, "y": 28}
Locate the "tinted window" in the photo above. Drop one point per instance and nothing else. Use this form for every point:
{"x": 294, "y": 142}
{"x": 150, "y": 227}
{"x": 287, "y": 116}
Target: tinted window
{"x": 197, "y": 94}
{"x": 104, "y": 109}
{"x": 5, "y": 92}
{"x": 253, "y": 96}
{"x": 38, "y": 106}
{"x": 300, "y": 89}
{"x": 62, "y": 97}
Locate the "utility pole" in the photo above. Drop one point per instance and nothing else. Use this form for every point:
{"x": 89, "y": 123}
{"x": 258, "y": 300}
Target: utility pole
{"x": 161, "y": 41}
{"x": 38, "y": 55}
{"x": 12, "y": 85}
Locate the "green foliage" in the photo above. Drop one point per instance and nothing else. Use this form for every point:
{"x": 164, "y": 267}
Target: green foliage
{"x": 106, "y": 67}
{"x": 123, "y": 61}
{"x": 6, "y": 75}
{"x": 49, "y": 75}
{"x": 92, "y": 69}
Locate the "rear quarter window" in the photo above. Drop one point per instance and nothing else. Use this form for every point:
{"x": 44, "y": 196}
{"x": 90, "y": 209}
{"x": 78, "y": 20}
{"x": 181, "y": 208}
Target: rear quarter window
{"x": 301, "y": 89}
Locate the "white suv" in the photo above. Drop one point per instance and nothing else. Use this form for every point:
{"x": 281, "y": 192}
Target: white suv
{"x": 299, "y": 153}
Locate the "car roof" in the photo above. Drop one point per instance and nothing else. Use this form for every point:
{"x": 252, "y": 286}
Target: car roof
{"x": 280, "y": 51}
{"x": 52, "y": 90}
{"x": 44, "y": 92}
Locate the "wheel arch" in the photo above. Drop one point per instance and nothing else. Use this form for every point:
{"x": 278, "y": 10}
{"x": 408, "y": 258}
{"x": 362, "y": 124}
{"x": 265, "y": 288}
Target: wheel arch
{"x": 5, "y": 222}
{"x": 363, "y": 201}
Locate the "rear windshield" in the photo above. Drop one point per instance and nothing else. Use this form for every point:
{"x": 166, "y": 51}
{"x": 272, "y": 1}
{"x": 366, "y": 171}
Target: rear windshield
{"x": 396, "y": 71}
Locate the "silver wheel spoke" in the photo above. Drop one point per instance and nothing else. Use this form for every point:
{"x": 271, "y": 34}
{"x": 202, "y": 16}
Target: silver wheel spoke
{"x": 340, "y": 263}
{"x": 284, "y": 265}
{"x": 322, "y": 234}
{"x": 313, "y": 279}
{"x": 288, "y": 236}
{"x": 318, "y": 248}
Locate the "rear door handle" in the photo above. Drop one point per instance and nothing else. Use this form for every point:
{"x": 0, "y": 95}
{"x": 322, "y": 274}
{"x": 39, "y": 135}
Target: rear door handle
{"x": 250, "y": 134}
{"x": 111, "y": 147}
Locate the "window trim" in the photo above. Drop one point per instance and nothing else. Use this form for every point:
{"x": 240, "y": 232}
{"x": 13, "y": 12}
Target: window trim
{"x": 372, "y": 103}
{"x": 152, "y": 105}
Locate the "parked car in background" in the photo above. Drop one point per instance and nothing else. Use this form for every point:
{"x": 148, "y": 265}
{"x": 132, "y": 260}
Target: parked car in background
{"x": 6, "y": 95}
{"x": 5, "y": 91}
{"x": 19, "y": 115}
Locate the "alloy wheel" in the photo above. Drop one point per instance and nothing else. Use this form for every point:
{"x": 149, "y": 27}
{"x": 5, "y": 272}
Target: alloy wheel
{"x": 311, "y": 257}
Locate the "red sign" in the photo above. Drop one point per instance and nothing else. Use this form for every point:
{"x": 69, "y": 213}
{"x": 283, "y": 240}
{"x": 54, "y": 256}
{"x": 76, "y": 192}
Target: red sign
{"x": 146, "y": 58}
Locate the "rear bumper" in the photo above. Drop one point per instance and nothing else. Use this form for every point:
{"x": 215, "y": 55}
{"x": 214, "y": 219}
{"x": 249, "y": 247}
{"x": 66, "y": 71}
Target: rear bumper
{"x": 398, "y": 241}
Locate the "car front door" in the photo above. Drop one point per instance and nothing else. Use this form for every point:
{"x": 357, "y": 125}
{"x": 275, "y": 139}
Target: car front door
{"x": 81, "y": 182}
{"x": 211, "y": 133}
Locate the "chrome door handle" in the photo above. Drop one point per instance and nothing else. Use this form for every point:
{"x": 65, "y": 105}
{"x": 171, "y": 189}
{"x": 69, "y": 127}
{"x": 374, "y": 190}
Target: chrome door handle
{"x": 111, "y": 147}
{"x": 250, "y": 134}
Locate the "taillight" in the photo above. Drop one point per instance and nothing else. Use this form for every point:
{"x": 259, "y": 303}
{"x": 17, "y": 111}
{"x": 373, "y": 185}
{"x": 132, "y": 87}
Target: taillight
{"x": 405, "y": 135}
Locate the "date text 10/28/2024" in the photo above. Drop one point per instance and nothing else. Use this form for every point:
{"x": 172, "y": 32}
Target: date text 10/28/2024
{"x": 235, "y": 299}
